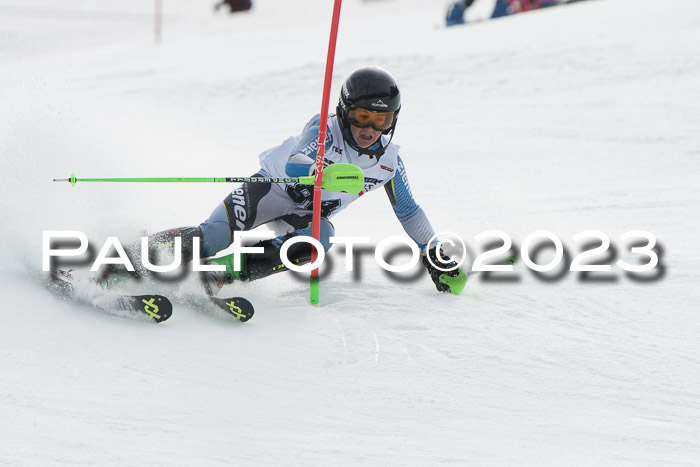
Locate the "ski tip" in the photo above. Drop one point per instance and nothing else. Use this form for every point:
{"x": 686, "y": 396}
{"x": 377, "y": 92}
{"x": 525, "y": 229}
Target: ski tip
{"x": 156, "y": 307}
{"x": 239, "y": 307}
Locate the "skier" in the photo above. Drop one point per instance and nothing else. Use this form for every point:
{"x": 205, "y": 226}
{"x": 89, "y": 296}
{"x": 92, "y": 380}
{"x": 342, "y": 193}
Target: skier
{"x": 234, "y": 5}
{"x": 360, "y": 133}
{"x": 456, "y": 11}
{"x": 502, "y": 8}
{"x": 520, "y": 6}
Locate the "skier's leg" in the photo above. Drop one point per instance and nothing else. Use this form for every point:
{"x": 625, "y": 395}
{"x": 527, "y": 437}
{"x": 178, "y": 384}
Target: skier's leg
{"x": 245, "y": 208}
{"x": 161, "y": 250}
{"x": 258, "y": 265}
{"x": 239, "y": 211}
{"x": 270, "y": 261}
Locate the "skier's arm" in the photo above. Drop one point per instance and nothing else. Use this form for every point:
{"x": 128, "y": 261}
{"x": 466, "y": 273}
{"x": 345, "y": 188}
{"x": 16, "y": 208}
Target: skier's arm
{"x": 302, "y": 160}
{"x": 418, "y": 227}
{"x": 409, "y": 213}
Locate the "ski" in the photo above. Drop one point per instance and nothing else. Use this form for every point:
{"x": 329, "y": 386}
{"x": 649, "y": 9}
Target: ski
{"x": 155, "y": 307}
{"x": 213, "y": 281}
{"x": 239, "y": 307}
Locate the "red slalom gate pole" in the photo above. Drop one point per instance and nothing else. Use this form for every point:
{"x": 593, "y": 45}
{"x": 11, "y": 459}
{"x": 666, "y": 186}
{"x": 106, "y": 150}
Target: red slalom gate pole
{"x": 320, "y": 153}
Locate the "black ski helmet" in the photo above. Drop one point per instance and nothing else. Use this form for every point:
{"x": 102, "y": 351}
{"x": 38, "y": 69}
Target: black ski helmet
{"x": 374, "y": 89}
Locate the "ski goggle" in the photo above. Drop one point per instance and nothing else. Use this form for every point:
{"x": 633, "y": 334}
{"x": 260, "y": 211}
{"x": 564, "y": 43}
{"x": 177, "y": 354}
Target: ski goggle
{"x": 363, "y": 118}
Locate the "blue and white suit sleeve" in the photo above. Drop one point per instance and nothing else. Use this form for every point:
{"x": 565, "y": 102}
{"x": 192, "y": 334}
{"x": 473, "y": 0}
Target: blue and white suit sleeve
{"x": 409, "y": 213}
{"x": 302, "y": 160}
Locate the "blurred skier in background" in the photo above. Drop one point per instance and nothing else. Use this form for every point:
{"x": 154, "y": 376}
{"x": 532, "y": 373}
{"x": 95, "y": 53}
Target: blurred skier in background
{"x": 518, "y": 6}
{"x": 501, "y": 8}
{"x": 509, "y": 7}
{"x": 234, "y": 5}
{"x": 456, "y": 12}
{"x": 360, "y": 133}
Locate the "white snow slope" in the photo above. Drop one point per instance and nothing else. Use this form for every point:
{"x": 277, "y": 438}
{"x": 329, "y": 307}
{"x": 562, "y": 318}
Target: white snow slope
{"x": 580, "y": 117}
